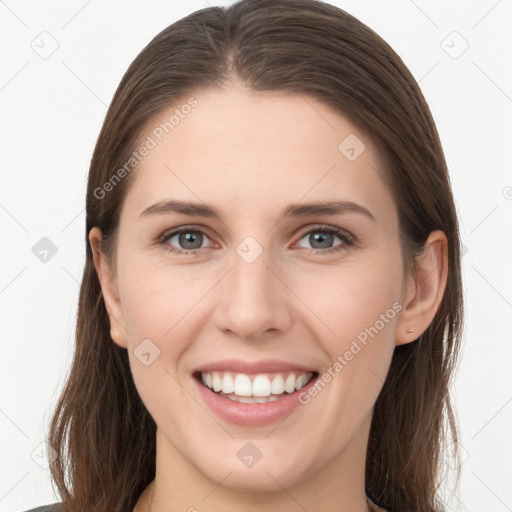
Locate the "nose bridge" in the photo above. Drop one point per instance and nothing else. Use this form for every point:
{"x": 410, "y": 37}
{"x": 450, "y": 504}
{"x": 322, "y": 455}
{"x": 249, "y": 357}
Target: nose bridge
{"x": 251, "y": 275}
{"x": 252, "y": 300}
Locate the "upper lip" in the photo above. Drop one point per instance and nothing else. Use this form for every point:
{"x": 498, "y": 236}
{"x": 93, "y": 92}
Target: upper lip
{"x": 250, "y": 367}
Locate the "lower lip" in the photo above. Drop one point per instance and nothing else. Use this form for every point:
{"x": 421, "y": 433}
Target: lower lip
{"x": 252, "y": 415}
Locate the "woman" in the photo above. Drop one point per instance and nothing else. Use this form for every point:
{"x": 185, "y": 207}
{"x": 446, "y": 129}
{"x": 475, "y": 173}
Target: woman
{"x": 297, "y": 354}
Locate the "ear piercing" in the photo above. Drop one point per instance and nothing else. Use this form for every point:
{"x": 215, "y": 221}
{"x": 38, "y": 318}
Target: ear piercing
{"x": 409, "y": 330}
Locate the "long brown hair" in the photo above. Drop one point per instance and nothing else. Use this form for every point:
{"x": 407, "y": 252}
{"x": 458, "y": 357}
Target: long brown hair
{"x": 102, "y": 433}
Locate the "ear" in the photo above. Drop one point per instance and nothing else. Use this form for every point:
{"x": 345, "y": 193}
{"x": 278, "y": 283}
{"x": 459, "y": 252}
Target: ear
{"x": 424, "y": 291}
{"x": 109, "y": 289}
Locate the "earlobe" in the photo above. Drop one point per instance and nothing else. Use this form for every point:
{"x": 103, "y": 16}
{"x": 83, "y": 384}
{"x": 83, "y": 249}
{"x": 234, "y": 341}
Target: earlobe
{"x": 424, "y": 290}
{"x": 109, "y": 289}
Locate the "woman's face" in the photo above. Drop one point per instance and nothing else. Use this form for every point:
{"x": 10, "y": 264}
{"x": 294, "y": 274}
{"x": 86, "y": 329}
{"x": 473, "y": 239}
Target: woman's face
{"x": 311, "y": 291}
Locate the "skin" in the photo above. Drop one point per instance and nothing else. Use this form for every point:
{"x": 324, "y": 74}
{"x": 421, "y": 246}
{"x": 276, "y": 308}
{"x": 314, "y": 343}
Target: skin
{"x": 250, "y": 154}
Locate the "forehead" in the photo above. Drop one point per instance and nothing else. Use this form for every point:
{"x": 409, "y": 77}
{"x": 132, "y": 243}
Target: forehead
{"x": 252, "y": 149}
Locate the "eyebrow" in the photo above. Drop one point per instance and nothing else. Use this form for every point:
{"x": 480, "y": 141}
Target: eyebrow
{"x": 293, "y": 210}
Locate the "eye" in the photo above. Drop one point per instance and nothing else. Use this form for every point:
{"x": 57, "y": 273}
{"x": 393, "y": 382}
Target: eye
{"x": 322, "y": 238}
{"x": 190, "y": 240}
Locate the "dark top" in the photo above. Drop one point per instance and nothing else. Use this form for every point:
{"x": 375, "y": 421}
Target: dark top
{"x": 54, "y": 507}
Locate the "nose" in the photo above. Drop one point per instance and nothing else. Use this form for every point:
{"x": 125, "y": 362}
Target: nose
{"x": 253, "y": 299}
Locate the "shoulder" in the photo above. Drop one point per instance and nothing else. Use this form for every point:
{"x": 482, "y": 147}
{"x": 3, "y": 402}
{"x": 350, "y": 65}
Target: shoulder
{"x": 54, "y": 507}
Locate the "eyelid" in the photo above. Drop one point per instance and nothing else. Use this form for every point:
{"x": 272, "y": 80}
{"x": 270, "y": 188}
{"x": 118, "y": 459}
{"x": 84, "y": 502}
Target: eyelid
{"x": 186, "y": 227}
{"x": 206, "y": 230}
{"x": 348, "y": 239}
{"x": 335, "y": 229}
{"x": 163, "y": 240}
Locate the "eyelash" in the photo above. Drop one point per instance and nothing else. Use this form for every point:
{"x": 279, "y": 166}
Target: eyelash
{"x": 347, "y": 239}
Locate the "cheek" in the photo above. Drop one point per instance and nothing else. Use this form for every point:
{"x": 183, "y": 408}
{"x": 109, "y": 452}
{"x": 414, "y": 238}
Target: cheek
{"x": 343, "y": 301}
{"x": 361, "y": 309}
{"x": 162, "y": 308}
{"x": 157, "y": 299}
{"x": 159, "y": 315}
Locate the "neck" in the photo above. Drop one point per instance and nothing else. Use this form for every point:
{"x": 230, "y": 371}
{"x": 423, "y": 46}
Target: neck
{"x": 337, "y": 486}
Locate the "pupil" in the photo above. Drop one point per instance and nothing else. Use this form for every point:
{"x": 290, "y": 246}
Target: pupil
{"x": 322, "y": 237}
{"x": 188, "y": 237}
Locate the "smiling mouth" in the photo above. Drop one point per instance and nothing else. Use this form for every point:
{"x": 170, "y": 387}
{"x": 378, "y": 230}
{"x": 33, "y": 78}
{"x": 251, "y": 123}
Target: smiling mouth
{"x": 254, "y": 388}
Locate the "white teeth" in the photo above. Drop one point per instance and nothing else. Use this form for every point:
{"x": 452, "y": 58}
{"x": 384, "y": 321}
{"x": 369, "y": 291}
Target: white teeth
{"x": 216, "y": 381}
{"x": 289, "y": 385}
{"x": 262, "y": 388}
{"x": 243, "y": 386}
{"x": 301, "y": 382}
{"x": 228, "y": 384}
{"x": 251, "y": 399}
{"x": 278, "y": 385}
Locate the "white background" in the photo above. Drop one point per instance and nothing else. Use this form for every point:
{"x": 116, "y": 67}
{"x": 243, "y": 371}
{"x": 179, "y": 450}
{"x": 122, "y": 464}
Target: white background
{"x": 51, "y": 114}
